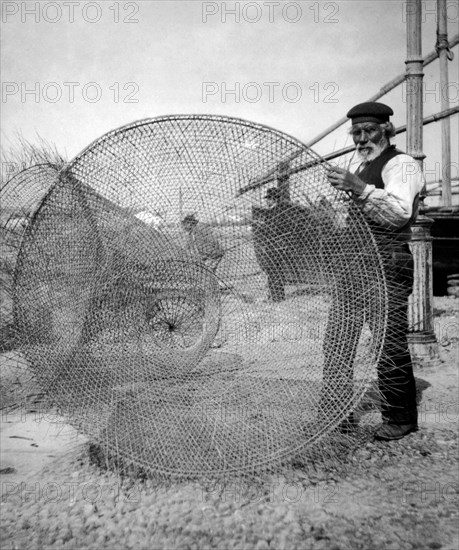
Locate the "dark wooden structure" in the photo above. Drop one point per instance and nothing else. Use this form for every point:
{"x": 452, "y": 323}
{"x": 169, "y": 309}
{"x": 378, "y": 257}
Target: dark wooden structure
{"x": 445, "y": 246}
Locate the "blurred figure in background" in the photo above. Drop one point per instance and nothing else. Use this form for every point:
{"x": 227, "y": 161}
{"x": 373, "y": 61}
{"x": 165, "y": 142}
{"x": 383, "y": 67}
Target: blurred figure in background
{"x": 203, "y": 241}
{"x": 273, "y": 264}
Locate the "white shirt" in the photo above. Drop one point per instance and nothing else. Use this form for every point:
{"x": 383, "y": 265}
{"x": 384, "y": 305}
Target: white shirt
{"x": 392, "y": 207}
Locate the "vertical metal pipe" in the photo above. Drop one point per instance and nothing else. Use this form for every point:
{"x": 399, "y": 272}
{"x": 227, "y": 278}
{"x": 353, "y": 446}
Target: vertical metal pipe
{"x": 414, "y": 76}
{"x": 423, "y": 343}
{"x": 442, "y": 47}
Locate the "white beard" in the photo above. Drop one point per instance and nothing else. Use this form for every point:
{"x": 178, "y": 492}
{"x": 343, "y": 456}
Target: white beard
{"x": 373, "y": 150}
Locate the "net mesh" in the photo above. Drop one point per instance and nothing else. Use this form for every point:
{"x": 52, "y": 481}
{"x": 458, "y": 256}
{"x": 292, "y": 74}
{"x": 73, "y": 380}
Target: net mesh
{"x": 182, "y": 323}
{"x": 20, "y": 197}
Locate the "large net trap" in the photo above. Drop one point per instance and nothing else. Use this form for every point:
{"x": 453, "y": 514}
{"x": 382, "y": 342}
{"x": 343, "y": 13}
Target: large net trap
{"x": 190, "y": 306}
{"x": 20, "y": 196}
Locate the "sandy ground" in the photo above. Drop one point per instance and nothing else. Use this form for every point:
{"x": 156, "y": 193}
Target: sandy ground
{"x": 388, "y": 496}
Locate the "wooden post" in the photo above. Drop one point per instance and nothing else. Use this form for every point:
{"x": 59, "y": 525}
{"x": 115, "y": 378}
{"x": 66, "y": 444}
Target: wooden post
{"x": 444, "y": 55}
{"x": 422, "y": 340}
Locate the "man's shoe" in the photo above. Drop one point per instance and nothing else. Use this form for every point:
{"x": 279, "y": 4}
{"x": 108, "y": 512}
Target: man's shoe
{"x": 390, "y": 432}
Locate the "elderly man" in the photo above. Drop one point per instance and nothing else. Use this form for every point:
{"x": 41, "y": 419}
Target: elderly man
{"x": 386, "y": 187}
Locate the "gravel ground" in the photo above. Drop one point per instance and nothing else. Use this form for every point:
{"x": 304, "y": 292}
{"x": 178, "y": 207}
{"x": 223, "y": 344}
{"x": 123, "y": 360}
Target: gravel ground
{"x": 388, "y": 496}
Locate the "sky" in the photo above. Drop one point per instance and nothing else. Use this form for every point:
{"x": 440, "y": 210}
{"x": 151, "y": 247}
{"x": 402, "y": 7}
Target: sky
{"x": 72, "y": 71}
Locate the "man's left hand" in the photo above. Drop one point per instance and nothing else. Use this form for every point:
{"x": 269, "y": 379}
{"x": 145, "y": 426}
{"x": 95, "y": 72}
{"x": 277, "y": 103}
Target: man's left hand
{"x": 345, "y": 181}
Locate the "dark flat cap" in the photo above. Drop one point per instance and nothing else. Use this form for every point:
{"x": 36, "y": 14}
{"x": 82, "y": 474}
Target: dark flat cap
{"x": 190, "y": 218}
{"x": 371, "y": 111}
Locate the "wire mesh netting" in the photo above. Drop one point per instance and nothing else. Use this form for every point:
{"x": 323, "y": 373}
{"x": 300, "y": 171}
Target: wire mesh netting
{"x": 182, "y": 322}
{"x": 20, "y": 196}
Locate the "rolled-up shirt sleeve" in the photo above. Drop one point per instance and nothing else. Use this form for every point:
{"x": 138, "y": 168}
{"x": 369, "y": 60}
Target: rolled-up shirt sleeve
{"x": 392, "y": 207}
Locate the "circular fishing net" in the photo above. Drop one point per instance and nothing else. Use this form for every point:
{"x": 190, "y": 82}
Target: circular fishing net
{"x": 20, "y": 197}
{"x": 180, "y": 319}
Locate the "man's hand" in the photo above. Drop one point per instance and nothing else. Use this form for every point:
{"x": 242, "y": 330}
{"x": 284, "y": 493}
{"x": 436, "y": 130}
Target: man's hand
{"x": 346, "y": 181}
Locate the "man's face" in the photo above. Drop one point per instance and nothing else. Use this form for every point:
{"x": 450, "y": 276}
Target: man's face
{"x": 369, "y": 139}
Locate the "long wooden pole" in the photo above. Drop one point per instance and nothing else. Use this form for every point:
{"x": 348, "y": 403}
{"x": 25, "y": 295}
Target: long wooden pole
{"x": 443, "y": 54}
{"x": 383, "y": 91}
{"x": 399, "y": 130}
{"x": 330, "y": 156}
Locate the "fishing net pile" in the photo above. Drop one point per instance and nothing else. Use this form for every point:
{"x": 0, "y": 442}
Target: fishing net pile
{"x": 20, "y": 196}
{"x": 223, "y": 344}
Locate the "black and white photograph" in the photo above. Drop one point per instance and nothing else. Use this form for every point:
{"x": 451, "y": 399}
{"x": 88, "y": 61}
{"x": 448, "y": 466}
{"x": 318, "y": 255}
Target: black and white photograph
{"x": 229, "y": 275}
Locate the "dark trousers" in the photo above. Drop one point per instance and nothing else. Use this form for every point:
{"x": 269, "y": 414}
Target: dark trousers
{"x": 348, "y": 312}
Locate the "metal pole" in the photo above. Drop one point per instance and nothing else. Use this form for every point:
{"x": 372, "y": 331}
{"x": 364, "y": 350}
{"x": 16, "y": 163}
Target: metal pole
{"x": 414, "y": 76}
{"x": 444, "y": 55}
{"x": 422, "y": 340}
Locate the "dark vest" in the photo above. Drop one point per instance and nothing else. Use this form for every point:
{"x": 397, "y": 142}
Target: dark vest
{"x": 371, "y": 175}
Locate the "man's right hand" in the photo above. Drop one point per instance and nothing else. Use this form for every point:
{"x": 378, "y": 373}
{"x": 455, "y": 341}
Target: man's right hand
{"x": 345, "y": 181}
